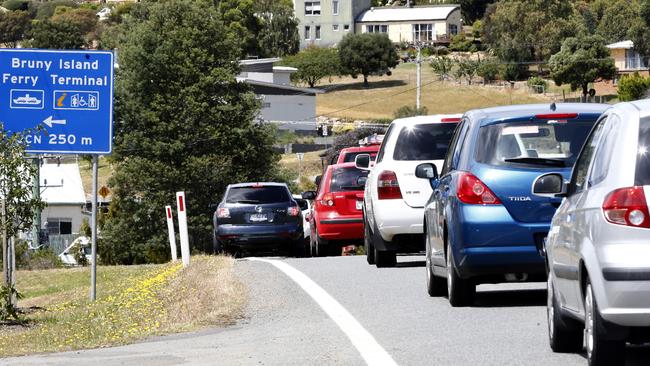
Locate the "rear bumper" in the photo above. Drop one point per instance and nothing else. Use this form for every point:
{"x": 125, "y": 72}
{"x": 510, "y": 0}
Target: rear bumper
{"x": 259, "y": 236}
{"x": 395, "y": 217}
{"x": 341, "y": 228}
{"x": 487, "y": 241}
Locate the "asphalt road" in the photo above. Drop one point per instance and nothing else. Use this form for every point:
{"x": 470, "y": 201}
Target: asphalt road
{"x": 285, "y": 326}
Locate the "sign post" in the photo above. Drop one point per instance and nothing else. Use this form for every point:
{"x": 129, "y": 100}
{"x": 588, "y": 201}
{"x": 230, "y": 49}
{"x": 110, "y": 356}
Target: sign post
{"x": 182, "y": 227}
{"x": 172, "y": 234}
{"x": 64, "y": 99}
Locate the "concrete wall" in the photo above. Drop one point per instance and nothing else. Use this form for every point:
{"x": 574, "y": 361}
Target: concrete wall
{"x": 348, "y": 11}
{"x": 288, "y": 107}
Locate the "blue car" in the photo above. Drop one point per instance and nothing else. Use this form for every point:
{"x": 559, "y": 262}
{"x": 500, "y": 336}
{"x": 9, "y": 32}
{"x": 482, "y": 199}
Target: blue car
{"x": 481, "y": 223}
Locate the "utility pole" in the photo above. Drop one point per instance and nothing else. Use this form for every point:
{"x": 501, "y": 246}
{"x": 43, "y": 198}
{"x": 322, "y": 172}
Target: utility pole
{"x": 418, "y": 80}
{"x": 36, "y": 193}
{"x": 93, "y": 240}
{"x": 5, "y": 249}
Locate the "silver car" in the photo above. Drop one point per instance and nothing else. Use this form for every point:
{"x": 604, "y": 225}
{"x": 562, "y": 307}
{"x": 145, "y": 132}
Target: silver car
{"x": 598, "y": 247}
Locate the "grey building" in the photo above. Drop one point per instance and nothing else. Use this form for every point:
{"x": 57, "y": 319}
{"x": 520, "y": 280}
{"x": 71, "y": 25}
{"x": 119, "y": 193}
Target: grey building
{"x": 326, "y": 22}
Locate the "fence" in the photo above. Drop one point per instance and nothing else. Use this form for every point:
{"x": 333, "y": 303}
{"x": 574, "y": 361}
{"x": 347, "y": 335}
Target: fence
{"x": 58, "y": 243}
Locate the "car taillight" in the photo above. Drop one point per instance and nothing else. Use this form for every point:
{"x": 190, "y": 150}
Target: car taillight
{"x": 293, "y": 210}
{"x": 627, "y": 206}
{"x": 388, "y": 186}
{"x": 327, "y": 200}
{"x": 474, "y": 192}
{"x": 556, "y": 116}
{"x": 223, "y": 213}
{"x": 450, "y": 120}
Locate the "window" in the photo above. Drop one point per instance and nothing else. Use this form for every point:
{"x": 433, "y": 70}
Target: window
{"x": 377, "y": 28}
{"x": 312, "y": 7}
{"x": 423, "y": 32}
{"x": 307, "y": 32}
{"x": 347, "y": 179}
{"x": 453, "y": 29}
{"x": 634, "y": 61}
{"x": 642, "y": 172}
{"x": 424, "y": 142}
{"x": 57, "y": 226}
{"x": 604, "y": 153}
{"x": 380, "y": 154}
{"x": 335, "y": 27}
{"x": 335, "y": 7}
{"x": 266, "y": 105}
{"x": 346, "y": 27}
{"x": 318, "y": 32}
{"x": 258, "y": 194}
{"x": 582, "y": 165}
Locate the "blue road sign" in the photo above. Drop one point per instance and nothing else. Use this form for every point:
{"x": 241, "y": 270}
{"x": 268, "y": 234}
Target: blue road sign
{"x": 68, "y": 93}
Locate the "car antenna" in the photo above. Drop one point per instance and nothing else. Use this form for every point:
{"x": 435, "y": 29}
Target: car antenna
{"x": 553, "y": 107}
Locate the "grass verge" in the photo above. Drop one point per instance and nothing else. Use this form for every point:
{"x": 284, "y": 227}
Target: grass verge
{"x": 134, "y": 302}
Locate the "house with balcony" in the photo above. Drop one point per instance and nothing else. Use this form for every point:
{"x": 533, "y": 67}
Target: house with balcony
{"x": 325, "y": 22}
{"x": 626, "y": 59}
{"x": 427, "y": 24}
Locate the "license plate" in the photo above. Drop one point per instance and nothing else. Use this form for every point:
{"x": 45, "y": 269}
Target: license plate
{"x": 359, "y": 205}
{"x": 258, "y": 217}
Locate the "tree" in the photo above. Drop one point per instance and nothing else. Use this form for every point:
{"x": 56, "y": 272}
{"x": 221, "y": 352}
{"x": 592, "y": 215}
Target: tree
{"x": 442, "y": 66}
{"x": 313, "y": 64}
{"x": 529, "y": 30}
{"x": 473, "y": 9}
{"x": 488, "y": 70}
{"x": 279, "y": 34}
{"x": 582, "y": 60}
{"x": 633, "y": 87}
{"x": 84, "y": 19}
{"x": 14, "y": 27}
{"x": 184, "y": 124}
{"x": 639, "y": 31}
{"x": 410, "y": 111}
{"x": 57, "y": 35}
{"x": 366, "y": 54}
{"x": 618, "y": 17}
{"x": 466, "y": 68}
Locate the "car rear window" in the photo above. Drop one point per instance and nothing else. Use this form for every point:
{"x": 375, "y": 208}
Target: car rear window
{"x": 347, "y": 179}
{"x": 302, "y": 203}
{"x": 258, "y": 194}
{"x": 642, "y": 174}
{"x": 535, "y": 143}
{"x": 349, "y": 157}
{"x": 424, "y": 141}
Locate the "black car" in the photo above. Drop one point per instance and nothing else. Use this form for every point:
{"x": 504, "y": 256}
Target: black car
{"x": 258, "y": 216}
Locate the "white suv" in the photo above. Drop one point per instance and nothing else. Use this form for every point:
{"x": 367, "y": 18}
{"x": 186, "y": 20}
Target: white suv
{"x": 394, "y": 199}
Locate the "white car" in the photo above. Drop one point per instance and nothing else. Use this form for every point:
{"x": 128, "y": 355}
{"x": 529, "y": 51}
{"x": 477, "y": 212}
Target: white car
{"x": 82, "y": 244}
{"x": 104, "y": 14}
{"x": 305, "y": 207}
{"x": 394, "y": 199}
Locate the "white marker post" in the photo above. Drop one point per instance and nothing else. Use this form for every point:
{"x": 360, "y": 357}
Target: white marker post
{"x": 172, "y": 234}
{"x": 182, "y": 227}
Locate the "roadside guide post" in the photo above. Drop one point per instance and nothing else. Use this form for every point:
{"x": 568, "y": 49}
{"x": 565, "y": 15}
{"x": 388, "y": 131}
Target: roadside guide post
{"x": 66, "y": 99}
{"x": 172, "y": 234}
{"x": 181, "y": 208}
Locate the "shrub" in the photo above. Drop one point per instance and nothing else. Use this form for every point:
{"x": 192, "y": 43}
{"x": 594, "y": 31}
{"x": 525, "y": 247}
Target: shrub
{"x": 16, "y": 5}
{"x": 632, "y": 87}
{"x": 410, "y": 111}
{"x": 539, "y": 84}
{"x": 488, "y": 70}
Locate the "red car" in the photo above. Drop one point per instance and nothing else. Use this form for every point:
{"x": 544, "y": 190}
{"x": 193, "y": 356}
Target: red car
{"x": 348, "y": 154}
{"x": 337, "y": 215}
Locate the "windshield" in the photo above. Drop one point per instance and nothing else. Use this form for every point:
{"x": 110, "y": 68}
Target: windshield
{"x": 424, "y": 142}
{"x": 258, "y": 194}
{"x": 536, "y": 143}
{"x": 347, "y": 179}
{"x": 642, "y": 174}
{"x": 349, "y": 157}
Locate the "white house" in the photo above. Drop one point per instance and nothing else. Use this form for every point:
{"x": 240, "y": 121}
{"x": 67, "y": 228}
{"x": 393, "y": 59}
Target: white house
{"x": 410, "y": 24}
{"x": 626, "y": 59}
{"x": 62, "y": 190}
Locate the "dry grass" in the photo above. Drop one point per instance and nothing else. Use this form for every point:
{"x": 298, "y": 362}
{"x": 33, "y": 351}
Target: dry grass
{"x": 104, "y": 172}
{"x": 310, "y": 166}
{"x": 348, "y": 99}
{"x": 133, "y": 303}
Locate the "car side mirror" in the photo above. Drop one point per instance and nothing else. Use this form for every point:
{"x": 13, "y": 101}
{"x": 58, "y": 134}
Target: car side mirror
{"x": 426, "y": 171}
{"x": 361, "y": 181}
{"x": 317, "y": 180}
{"x": 362, "y": 161}
{"x": 550, "y": 185}
{"x": 309, "y": 195}
{"x": 308, "y": 217}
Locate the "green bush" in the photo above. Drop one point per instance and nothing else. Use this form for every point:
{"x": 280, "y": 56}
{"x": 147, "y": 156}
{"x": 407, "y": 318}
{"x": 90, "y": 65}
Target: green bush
{"x": 539, "y": 84}
{"x": 632, "y": 87}
{"x": 410, "y": 111}
{"x": 488, "y": 70}
{"x": 16, "y": 5}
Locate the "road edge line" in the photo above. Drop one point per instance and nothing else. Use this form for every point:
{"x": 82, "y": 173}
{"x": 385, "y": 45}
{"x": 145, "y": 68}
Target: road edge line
{"x": 367, "y": 346}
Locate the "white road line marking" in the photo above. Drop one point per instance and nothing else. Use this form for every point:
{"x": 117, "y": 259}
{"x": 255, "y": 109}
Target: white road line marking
{"x": 365, "y": 343}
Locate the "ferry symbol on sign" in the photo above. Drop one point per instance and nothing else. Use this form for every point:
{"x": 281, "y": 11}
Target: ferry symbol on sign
{"x": 26, "y": 99}
{"x": 76, "y": 100}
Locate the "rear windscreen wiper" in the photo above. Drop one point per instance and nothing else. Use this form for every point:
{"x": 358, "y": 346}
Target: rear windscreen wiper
{"x": 538, "y": 161}
{"x": 248, "y": 201}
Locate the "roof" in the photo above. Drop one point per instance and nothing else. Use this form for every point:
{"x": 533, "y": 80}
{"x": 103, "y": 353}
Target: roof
{"x": 282, "y": 86}
{"x": 523, "y": 110}
{"x": 249, "y": 184}
{"x": 255, "y": 61}
{"x": 436, "y": 118}
{"x": 370, "y": 148}
{"x": 351, "y": 164}
{"x": 621, "y": 45}
{"x": 61, "y": 184}
{"x": 284, "y": 68}
{"x": 400, "y": 14}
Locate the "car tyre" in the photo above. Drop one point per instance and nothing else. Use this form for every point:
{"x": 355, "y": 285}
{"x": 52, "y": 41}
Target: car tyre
{"x": 436, "y": 286}
{"x": 563, "y": 334}
{"x": 320, "y": 247}
{"x": 600, "y": 351}
{"x": 217, "y": 246}
{"x": 385, "y": 258}
{"x": 460, "y": 291}
{"x": 367, "y": 244}
{"x": 299, "y": 248}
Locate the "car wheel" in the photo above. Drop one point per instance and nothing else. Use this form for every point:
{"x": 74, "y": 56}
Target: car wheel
{"x": 217, "y": 246}
{"x": 319, "y": 246}
{"x": 459, "y": 291}
{"x": 385, "y": 258}
{"x": 436, "y": 286}
{"x": 600, "y": 351}
{"x": 367, "y": 244}
{"x": 299, "y": 249}
{"x": 563, "y": 335}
